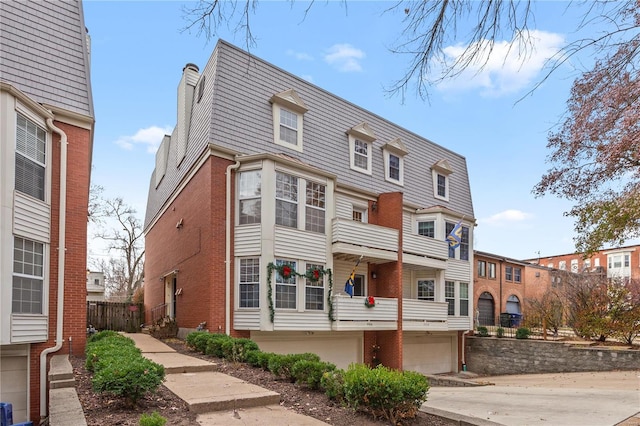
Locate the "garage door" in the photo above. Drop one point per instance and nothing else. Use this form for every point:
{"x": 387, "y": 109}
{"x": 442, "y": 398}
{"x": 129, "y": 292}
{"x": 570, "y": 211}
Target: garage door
{"x": 428, "y": 354}
{"x": 485, "y": 306}
{"x": 341, "y": 350}
{"x": 13, "y": 385}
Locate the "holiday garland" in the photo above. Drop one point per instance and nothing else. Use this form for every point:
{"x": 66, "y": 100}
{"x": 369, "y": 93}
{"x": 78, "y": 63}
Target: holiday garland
{"x": 286, "y": 271}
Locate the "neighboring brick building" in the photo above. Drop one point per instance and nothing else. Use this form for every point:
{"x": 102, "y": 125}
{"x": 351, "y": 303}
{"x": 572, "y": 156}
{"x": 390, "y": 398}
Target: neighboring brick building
{"x": 46, "y": 134}
{"x": 621, "y": 262}
{"x": 265, "y": 172}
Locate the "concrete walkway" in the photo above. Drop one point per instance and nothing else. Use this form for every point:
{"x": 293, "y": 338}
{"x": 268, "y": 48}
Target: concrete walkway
{"x": 219, "y": 399}
{"x": 580, "y": 399}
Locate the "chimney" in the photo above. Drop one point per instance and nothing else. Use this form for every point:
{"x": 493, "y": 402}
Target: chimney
{"x": 186, "y": 89}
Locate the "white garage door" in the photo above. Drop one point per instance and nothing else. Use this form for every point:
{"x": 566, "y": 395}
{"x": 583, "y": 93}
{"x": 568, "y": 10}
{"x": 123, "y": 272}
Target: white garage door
{"x": 341, "y": 349}
{"x": 13, "y": 385}
{"x": 428, "y": 354}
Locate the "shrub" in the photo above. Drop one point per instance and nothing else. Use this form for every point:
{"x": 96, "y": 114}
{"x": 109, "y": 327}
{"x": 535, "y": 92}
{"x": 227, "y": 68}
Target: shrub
{"x": 197, "y": 340}
{"x": 281, "y": 365}
{"x": 127, "y": 375}
{"x": 263, "y": 359}
{"x": 310, "y": 372}
{"x": 153, "y": 419}
{"x": 253, "y": 358}
{"x": 382, "y": 392}
{"x": 500, "y": 332}
{"x": 102, "y": 335}
{"x": 214, "y": 344}
{"x": 333, "y": 384}
{"x": 482, "y": 331}
{"x": 236, "y": 349}
{"x": 107, "y": 346}
{"x": 523, "y": 333}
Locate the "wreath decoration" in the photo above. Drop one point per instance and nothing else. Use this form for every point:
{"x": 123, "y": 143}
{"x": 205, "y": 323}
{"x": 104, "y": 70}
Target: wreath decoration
{"x": 369, "y": 302}
{"x": 312, "y": 274}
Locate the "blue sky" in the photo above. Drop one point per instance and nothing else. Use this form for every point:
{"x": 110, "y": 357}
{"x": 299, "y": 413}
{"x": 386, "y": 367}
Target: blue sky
{"x": 138, "y": 53}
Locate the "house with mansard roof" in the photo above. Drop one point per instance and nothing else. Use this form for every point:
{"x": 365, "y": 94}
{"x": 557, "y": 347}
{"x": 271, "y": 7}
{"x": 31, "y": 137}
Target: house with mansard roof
{"x": 46, "y": 137}
{"x": 272, "y": 193}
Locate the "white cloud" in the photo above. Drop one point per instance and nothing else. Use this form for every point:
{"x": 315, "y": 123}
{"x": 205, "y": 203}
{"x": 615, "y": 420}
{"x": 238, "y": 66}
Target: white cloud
{"x": 302, "y": 56}
{"x": 151, "y": 137}
{"x": 508, "y": 68}
{"x": 344, "y": 57}
{"x": 507, "y": 217}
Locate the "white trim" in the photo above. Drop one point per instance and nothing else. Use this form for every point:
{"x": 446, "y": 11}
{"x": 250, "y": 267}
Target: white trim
{"x": 387, "y": 163}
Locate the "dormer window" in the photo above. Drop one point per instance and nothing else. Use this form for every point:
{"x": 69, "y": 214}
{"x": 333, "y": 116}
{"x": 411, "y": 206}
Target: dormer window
{"x": 361, "y": 139}
{"x": 393, "y": 153}
{"x": 440, "y": 174}
{"x": 288, "y": 112}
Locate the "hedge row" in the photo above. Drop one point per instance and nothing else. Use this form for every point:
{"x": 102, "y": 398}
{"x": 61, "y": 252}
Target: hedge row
{"x": 119, "y": 368}
{"x": 381, "y": 392}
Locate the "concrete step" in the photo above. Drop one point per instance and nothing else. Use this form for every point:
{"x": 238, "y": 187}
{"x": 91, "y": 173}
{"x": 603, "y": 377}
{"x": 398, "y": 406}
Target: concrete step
{"x": 211, "y": 391}
{"x": 61, "y": 384}
{"x": 175, "y": 363}
{"x": 60, "y": 368}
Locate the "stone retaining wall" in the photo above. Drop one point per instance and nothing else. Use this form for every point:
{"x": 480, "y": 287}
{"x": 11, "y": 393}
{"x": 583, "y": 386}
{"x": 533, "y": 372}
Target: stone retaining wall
{"x": 494, "y": 356}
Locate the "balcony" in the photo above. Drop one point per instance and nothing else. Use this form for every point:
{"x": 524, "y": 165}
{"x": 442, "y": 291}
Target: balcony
{"x": 424, "y": 315}
{"x": 424, "y": 251}
{"x": 376, "y": 243}
{"x": 350, "y": 313}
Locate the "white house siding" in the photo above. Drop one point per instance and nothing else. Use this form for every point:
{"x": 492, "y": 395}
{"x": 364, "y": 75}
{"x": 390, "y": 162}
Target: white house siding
{"x": 246, "y": 319}
{"x": 458, "y": 270}
{"x": 28, "y": 328}
{"x": 342, "y": 348}
{"x": 31, "y": 218}
{"x": 296, "y": 244}
{"x": 301, "y": 321}
{"x": 344, "y": 206}
{"x": 14, "y": 379}
{"x": 432, "y": 354}
{"x": 247, "y": 240}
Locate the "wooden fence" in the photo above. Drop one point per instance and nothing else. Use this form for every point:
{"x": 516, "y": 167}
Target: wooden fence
{"x": 115, "y": 316}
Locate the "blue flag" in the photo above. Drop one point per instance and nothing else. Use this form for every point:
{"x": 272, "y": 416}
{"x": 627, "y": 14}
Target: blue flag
{"x": 455, "y": 236}
{"x": 350, "y": 284}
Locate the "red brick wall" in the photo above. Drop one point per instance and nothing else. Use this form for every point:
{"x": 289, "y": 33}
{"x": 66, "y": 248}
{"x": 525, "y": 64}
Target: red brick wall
{"x": 196, "y": 250}
{"x": 75, "y": 274}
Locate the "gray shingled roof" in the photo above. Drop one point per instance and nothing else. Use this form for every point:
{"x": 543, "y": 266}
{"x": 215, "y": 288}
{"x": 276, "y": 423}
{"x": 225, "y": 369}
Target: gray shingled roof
{"x": 43, "y": 52}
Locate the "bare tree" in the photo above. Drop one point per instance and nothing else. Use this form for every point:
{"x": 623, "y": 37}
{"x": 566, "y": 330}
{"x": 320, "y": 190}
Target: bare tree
{"x": 125, "y": 268}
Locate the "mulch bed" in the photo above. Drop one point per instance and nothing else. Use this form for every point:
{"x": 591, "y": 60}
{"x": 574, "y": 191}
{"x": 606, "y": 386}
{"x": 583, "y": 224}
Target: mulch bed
{"x": 102, "y": 409}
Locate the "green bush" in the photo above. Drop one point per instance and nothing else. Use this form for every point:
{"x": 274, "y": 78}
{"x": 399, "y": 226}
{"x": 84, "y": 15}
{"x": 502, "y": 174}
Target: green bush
{"x": 253, "y": 358}
{"x": 500, "y": 332}
{"x": 382, "y": 392}
{"x": 482, "y": 331}
{"x": 197, "y": 340}
{"x": 263, "y": 359}
{"x": 235, "y": 349}
{"x": 333, "y": 384}
{"x": 154, "y": 419}
{"x": 523, "y": 333}
{"x": 214, "y": 344}
{"x": 127, "y": 375}
{"x": 281, "y": 365}
{"x": 102, "y": 335}
{"x": 310, "y": 372}
{"x": 105, "y": 347}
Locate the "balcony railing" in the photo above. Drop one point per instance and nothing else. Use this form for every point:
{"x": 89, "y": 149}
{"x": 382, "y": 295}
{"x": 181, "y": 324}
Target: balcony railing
{"x": 424, "y": 315}
{"x": 382, "y": 240}
{"x": 424, "y": 246}
{"x": 351, "y": 313}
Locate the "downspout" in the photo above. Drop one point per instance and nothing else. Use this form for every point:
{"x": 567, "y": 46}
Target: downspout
{"x": 61, "y": 261}
{"x": 227, "y": 260}
{"x": 464, "y": 359}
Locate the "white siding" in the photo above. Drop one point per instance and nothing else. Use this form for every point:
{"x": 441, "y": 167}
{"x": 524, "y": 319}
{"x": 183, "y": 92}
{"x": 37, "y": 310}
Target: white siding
{"x": 246, "y": 240}
{"x": 301, "y": 321}
{"x": 28, "y": 328}
{"x": 407, "y": 224}
{"x": 344, "y": 207}
{"x": 246, "y": 320}
{"x": 458, "y": 270}
{"x": 364, "y": 234}
{"x": 295, "y": 244}
{"x": 31, "y": 218}
{"x": 347, "y": 308}
{"x": 459, "y": 323}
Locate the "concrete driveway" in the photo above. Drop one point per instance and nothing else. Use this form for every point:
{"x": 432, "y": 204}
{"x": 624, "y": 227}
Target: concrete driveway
{"x": 581, "y": 399}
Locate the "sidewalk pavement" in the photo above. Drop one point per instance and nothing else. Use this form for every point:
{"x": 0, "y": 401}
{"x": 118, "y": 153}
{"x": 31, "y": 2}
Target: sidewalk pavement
{"x": 563, "y": 399}
{"x": 217, "y": 398}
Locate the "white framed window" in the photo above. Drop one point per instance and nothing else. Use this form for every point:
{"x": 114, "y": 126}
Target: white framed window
{"x": 27, "y": 295}
{"x": 464, "y": 244}
{"x": 450, "y": 296}
{"x": 359, "y": 214}
{"x": 508, "y": 273}
{"x": 427, "y": 290}
{"x": 517, "y": 275}
{"x": 286, "y": 288}
{"x": 361, "y": 139}
{"x": 482, "y": 268}
{"x": 286, "y": 200}
{"x": 464, "y": 300}
{"x": 492, "y": 270}
{"x": 30, "y": 161}
{"x": 314, "y": 290}
{"x": 393, "y": 155}
{"x": 315, "y": 207}
{"x": 427, "y": 228}
{"x": 250, "y": 197}
{"x": 440, "y": 173}
{"x": 249, "y": 283}
{"x": 288, "y": 112}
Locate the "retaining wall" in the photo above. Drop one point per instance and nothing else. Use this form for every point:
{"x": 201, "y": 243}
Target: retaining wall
{"x": 496, "y": 356}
